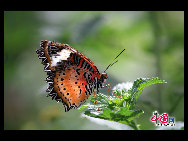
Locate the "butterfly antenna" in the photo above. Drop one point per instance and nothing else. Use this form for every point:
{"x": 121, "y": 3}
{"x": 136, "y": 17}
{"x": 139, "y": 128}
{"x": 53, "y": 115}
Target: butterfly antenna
{"x": 114, "y": 60}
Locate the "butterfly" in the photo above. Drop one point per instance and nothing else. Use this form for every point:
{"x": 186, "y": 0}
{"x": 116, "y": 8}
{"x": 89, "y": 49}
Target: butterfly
{"x": 72, "y": 77}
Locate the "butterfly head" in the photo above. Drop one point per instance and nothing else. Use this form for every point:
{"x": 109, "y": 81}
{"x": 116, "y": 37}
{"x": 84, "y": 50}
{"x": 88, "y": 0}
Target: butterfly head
{"x": 103, "y": 77}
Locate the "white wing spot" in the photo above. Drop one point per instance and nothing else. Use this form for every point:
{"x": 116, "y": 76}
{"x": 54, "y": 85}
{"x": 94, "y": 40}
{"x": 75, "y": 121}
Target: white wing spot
{"x": 63, "y": 55}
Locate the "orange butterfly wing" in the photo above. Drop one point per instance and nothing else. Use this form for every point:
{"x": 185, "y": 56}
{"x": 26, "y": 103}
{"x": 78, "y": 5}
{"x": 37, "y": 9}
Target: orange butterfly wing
{"x": 72, "y": 77}
{"x": 71, "y": 87}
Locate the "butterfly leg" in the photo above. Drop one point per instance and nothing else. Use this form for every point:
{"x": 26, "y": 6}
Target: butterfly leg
{"x": 109, "y": 87}
{"x": 96, "y": 101}
{"x": 108, "y": 92}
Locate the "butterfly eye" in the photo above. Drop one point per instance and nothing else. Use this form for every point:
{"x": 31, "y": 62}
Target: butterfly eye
{"x": 104, "y": 75}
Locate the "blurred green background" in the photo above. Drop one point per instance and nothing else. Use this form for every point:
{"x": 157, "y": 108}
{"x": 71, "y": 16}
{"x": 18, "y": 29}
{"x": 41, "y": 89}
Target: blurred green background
{"x": 154, "y": 43}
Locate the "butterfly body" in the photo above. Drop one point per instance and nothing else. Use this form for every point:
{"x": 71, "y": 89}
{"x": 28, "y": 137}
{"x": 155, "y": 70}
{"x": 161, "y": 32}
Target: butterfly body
{"x": 72, "y": 77}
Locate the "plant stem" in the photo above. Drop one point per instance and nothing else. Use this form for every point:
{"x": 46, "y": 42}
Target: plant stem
{"x": 133, "y": 125}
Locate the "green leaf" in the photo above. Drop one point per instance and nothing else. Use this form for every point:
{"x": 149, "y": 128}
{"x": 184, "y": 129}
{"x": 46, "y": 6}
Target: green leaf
{"x": 82, "y": 107}
{"x": 139, "y": 85}
{"x": 126, "y": 114}
{"x": 104, "y": 115}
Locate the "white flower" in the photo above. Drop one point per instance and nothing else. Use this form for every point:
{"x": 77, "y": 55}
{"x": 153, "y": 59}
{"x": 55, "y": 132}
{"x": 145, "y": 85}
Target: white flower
{"x": 123, "y": 86}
